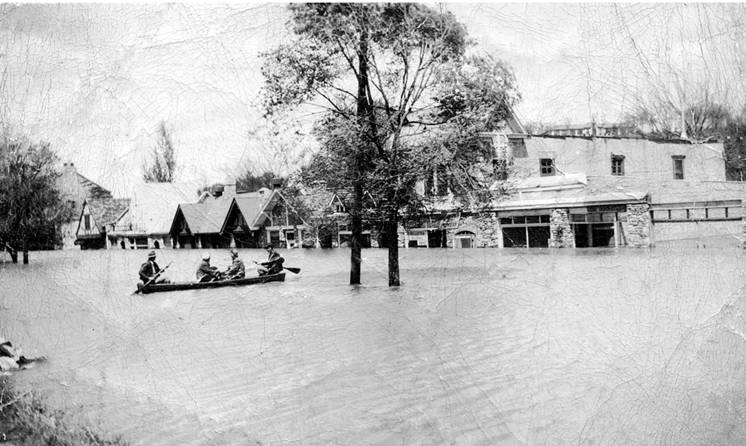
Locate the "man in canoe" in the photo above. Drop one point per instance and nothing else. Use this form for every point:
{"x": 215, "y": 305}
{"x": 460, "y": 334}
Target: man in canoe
{"x": 236, "y": 270}
{"x": 205, "y": 272}
{"x": 274, "y": 262}
{"x": 150, "y": 270}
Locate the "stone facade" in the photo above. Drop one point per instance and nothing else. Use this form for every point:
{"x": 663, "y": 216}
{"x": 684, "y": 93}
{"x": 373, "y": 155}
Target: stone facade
{"x": 484, "y": 226}
{"x": 560, "y": 231}
{"x": 637, "y": 227}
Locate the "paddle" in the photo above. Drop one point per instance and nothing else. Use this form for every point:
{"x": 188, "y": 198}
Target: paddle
{"x": 154, "y": 277}
{"x": 289, "y": 268}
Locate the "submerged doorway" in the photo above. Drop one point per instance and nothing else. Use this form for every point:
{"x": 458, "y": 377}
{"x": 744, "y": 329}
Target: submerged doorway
{"x": 594, "y": 235}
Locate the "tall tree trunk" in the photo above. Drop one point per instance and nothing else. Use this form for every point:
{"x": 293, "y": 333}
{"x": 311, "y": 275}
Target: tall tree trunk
{"x": 13, "y": 253}
{"x": 392, "y": 232}
{"x": 25, "y": 251}
{"x": 363, "y": 114}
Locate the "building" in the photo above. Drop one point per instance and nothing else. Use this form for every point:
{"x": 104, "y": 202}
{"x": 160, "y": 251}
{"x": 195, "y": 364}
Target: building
{"x": 264, "y": 217}
{"x": 593, "y": 129}
{"x": 593, "y": 192}
{"x": 201, "y": 224}
{"x": 328, "y": 220}
{"x": 146, "y": 223}
{"x": 589, "y": 191}
{"x": 246, "y": 220}
{"x": 96, "y": 221}
{"x": 76, "y": 189}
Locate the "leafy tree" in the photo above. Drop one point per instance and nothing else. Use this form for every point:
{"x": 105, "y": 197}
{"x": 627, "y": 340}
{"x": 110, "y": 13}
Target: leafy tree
{"x": 30, "y": 198}
{"x": 163, "y": 163}
{"x": 251, "y": 182}
{"x": 735, "y": 148}
{"x": 396, "y": 55}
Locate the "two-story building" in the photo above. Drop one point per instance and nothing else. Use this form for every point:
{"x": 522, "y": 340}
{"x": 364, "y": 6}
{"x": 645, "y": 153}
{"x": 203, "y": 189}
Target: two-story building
{"x": 592, "y": 191}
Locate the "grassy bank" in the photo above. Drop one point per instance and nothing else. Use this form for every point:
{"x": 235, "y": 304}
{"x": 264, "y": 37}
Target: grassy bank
{"x": 26, "y": 420}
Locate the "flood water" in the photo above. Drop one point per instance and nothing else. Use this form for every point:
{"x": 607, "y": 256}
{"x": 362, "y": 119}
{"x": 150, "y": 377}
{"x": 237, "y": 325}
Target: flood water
{"x": 479, "y": 346}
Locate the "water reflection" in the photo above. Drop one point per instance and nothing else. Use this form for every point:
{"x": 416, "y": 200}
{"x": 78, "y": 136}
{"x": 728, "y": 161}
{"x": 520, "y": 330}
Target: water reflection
{"x": 480, "y": 346}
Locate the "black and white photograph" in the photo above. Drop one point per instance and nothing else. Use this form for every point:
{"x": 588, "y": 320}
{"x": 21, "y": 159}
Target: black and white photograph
{"x": 373, "y": 223}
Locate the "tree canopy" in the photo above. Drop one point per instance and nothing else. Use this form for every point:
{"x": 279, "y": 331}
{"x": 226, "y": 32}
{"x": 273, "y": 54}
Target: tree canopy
{"x": 31, "y": 201}
{"x": 385, "y": 75}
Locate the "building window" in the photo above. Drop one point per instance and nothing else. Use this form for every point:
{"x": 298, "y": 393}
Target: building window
{"x": 678, "y": 167}
{"x": 87, "y": 222}
{"x": 617, "y": 165}
{"x": 546, "y": 167}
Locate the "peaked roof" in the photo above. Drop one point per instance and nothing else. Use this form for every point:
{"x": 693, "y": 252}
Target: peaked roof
{"x": 106, "y": 210}
{"x": 153, "y": 205}
{"x": 205, "y": 217}
{"x": 252, "y": 204}
{"x": 74, "y": 186}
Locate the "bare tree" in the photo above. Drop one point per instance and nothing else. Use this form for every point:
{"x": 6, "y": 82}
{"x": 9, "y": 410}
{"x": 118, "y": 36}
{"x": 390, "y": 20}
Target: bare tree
{"x": 162, "y": 166}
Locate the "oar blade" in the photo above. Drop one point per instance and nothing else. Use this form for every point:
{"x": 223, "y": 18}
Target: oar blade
{"x": 293, "y": 270}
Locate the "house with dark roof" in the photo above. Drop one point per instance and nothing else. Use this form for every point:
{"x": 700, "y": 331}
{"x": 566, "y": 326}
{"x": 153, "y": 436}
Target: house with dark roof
{"x": 246, "y": 220}
{"x": 96, "y": 221}
{"x": 76, "y": 189}
{"x": 264, "y": 217}
{"x": 201, "y": 224}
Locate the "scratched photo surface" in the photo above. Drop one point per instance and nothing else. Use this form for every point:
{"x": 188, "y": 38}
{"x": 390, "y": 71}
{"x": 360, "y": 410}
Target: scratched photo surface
{"x": 515, "y": 224}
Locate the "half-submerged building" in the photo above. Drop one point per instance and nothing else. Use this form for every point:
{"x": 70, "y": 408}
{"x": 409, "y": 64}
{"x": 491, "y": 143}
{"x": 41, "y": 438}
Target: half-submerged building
{"x": 591, "y": 191}
{"x": 246, "y": 220}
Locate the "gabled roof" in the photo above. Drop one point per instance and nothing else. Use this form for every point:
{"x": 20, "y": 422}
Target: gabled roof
{"x": 153, "y": 205}
{"x": 206, "y": 217}
{"x": 105, "y": 210}
{"x": 253, "y": 204}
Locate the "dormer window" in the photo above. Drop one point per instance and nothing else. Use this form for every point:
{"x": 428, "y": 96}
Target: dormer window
{"x": 678, "y": 167}
{"x": 617, "y": 165}
{"x": 546, "y": 167}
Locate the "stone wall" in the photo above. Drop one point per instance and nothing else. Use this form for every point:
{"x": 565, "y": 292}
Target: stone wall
{"x": 637, "y": 227}
{"x": 560, "y": 231}
{"x": 484, "y": 225}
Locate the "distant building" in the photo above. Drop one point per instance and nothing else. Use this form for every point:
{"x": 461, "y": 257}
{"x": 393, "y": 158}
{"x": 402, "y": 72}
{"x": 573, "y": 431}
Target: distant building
{"x": 593, "y": 129}
{"x": 97, "y": 220}
{"x": 329, "y": 224}
{"x": 76, "y": 189}
{"x": 244, "y": 220}
{"x": 146, "y": 223}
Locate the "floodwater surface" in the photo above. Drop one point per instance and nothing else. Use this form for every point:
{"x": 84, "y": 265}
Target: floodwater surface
{"x": 478, "y": 346}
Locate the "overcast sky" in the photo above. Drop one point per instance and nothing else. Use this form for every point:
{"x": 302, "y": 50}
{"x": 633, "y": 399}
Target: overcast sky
{"x": 95, "y": 80}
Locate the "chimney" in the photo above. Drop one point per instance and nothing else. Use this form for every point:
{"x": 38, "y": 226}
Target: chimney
{"x": 276, "y": 183}
{"x": 229, "y": 188}
{"x": 217, "y": 190}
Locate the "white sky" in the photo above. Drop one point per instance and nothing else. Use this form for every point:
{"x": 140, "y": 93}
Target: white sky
{"x": 95, "y": 80}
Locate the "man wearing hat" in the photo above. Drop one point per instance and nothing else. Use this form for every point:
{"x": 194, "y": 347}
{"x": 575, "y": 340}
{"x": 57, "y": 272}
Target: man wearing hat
{"x": 236, "y": 270}
{"x": 274, "y": 262}
{"x": 205, "y": 272}
{"x": 149, "y": 270}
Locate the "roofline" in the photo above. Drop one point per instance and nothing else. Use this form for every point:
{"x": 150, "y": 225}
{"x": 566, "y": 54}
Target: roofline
{"x": 579, "y": 204}
{"x": 173, "y": 221}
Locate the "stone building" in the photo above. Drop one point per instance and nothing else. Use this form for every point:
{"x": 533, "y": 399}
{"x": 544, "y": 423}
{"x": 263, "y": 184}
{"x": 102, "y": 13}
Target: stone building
{"x": 590, "y": 191}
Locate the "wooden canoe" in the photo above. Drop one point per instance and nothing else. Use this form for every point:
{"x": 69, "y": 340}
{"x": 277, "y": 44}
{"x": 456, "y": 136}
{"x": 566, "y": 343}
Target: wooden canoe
{"x": 157, "y": 288}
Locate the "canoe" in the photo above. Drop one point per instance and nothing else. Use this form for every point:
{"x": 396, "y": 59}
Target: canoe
{"x": 157, "y": 288}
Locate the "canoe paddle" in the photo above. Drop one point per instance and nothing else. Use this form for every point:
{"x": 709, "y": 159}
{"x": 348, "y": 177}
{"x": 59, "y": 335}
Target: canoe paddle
{"x": 154, "y": 277}
{"x": 289, "y": 268}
